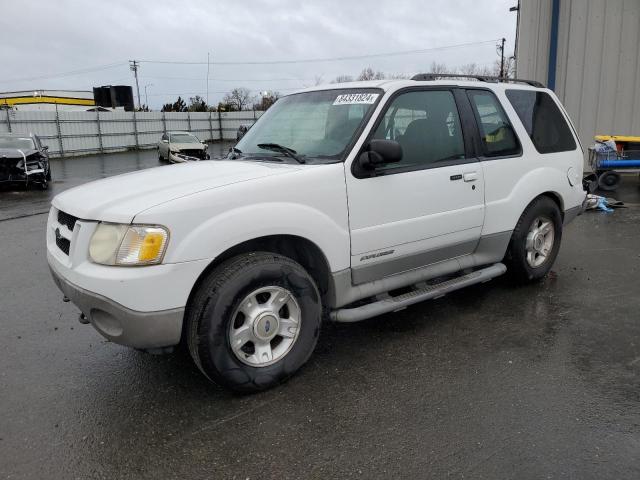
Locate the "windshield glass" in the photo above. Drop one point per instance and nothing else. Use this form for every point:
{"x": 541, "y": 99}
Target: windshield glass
{"x": 183, "y": 138}
{"x": 314, "y": 124}
{"x": 23, "y": 143}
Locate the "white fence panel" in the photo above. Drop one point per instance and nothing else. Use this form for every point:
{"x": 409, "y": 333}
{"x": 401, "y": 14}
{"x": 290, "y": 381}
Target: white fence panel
{"x": 78, "y": 133}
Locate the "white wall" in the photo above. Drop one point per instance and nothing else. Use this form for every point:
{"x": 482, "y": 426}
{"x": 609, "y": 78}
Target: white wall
{"x": 78, "y": 133}
{"x": 598, "y": 62}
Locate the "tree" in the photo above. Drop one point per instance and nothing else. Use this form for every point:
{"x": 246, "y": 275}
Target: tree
{"x": 197, "y": 104}
{"x": 474, "y": 69}
{"x": 398, "y": 76}
{"x": 440, "y": 68}
{"x": 342, "y": 79}
{"x": 369, "y": 74}
{"x": 178, "y": 106}
{"x": 238, "y": 98}
{"x": 267, "y": 100}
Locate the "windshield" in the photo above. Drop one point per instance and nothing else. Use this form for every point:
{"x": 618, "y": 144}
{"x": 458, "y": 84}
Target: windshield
{"x": 317, "y": 124}
{"x": 184, "y": 138}
{"x": 22, "y": 143}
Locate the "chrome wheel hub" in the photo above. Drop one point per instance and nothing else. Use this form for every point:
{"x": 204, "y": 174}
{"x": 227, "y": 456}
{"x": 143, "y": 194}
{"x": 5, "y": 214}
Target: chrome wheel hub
{"x": 265, "y": 326}
{"x": 539, "y": 241}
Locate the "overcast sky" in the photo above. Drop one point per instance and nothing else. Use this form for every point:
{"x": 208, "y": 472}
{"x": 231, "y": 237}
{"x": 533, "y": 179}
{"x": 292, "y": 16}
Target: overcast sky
{"x": 40, "y": 40}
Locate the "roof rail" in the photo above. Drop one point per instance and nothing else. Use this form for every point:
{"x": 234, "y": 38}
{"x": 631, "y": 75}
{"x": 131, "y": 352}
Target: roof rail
{"x": 427, "y": 77}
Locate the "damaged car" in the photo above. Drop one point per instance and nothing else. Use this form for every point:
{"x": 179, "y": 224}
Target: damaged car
{"x": 24, "y": 160}
{"x": 178, "y": 147}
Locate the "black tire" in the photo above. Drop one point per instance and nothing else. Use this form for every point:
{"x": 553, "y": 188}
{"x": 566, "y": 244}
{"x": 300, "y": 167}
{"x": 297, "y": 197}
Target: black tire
{"x": 160, "y": 159}
{"x": 516, "y": 258}
{"x": 609, "y": 181}
{"x": 48, "y": 177}
{"x": 212, "y": 307}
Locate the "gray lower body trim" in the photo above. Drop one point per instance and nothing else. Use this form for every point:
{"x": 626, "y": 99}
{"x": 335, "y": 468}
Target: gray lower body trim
{"x": 121, "y": 324}
{"x": 571, "y": 214}
{"x": 368, "y": 273}
{"x": 490, "y": 249}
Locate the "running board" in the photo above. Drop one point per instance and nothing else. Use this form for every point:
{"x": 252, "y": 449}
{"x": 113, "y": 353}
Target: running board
{"x": 392, "y": 304}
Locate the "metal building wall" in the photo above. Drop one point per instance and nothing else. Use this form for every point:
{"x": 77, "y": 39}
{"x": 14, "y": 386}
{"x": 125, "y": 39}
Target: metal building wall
{"x": 598, "y": 61}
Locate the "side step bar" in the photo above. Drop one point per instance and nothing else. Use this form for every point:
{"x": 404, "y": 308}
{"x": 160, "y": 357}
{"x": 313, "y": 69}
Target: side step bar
{"x": 392, "y": 304}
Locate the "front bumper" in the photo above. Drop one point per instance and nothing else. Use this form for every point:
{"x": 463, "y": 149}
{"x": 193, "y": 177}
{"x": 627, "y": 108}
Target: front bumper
{"x": 140, "y": 307}
{"x": 121, "y": 324}
{"x": 180, "y": 157}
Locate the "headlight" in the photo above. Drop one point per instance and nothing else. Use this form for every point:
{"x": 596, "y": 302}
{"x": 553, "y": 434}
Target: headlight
{"x": 114, "y": 244}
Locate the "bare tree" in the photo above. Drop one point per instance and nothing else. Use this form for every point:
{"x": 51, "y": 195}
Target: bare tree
{"x": 475, "y": 69}
{"x": 318, "y": 80}
{"x": 342, "y": 79}
{"x": 268, "y": 99}
{"x": 398, "y": 76}
{"x": 369, "y": 74}
{"x": 440, "y": 68}
{"x": 238, "y": 98}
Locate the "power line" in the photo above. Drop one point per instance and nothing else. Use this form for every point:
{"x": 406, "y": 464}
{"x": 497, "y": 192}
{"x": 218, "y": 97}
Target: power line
{"x": 66, "y": 74}
{"x": 231, "y": 79}
{"x": 327, "y": 59}
{"x": 220, "y": 92}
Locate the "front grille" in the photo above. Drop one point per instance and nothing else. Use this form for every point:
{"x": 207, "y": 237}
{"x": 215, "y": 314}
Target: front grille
{"x": 66, "y": 219}
{"x": 198, "y": 153}
{"x": 63, "y": 244}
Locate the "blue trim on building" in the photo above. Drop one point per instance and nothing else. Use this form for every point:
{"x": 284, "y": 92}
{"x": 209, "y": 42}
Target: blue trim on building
{"x": 553, "y": 45}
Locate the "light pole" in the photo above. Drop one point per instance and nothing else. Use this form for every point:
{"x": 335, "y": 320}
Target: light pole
{"x": 146, "y": 99}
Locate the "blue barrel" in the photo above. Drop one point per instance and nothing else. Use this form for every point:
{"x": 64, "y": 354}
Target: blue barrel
{"x": 630, "y": 163}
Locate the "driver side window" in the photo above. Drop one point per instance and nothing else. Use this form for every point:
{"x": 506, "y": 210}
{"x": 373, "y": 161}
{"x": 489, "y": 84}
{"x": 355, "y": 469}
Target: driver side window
{"x": 427, "y": 126}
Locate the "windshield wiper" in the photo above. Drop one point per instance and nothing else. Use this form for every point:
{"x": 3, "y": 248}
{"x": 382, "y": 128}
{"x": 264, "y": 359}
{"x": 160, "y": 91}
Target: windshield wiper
{"x": 286, "y": 151}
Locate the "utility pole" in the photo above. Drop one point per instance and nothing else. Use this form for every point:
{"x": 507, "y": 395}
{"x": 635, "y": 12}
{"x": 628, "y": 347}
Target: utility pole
{"x": 501, "y": 47}
{"x": 146, "y": 98}
{"x": 207, "y": 80}
{"x": 133, "y": 65}
{"x": 515, "y": 50}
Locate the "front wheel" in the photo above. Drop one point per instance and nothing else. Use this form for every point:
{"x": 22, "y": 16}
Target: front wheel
{"x": 254, "y": 321}
{"x": 535, "y": 241}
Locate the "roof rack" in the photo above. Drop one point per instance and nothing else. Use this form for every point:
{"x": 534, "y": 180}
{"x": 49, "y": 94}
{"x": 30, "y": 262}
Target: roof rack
{"x": 427, "y": 77}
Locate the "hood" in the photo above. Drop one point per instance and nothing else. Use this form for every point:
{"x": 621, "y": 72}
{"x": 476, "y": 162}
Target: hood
{"x": 120, "y": 198}
{"x": 187, "y": 146}
{"x": 15, "y": 153}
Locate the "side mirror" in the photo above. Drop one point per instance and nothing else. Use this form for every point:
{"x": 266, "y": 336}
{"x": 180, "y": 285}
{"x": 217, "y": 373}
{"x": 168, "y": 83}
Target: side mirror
{"x": 45, "y": 148}
{"x": 379, "y": 152}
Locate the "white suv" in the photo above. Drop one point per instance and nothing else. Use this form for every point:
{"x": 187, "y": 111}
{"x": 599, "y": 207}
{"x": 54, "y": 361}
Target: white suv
{"x": 342, "y": 202}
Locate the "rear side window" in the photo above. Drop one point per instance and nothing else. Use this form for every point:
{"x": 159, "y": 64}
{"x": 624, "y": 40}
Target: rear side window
{"x": 498, "y": 137}
{"x": 543, "y": 121}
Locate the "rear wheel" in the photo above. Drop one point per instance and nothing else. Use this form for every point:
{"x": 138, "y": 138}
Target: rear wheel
{"x": 254, "y": 321}
{"x": 609, "y": 180}
{"x": 535, "y": 241}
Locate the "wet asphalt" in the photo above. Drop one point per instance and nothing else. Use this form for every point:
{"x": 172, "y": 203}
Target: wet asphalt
{"x": 491, "y": 382}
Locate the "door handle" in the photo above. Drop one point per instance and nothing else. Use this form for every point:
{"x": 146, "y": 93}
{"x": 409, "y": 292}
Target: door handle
{"x": 470, "y": 176}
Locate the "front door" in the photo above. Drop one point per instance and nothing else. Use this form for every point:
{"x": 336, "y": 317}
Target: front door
{"x": 427, "y": 208}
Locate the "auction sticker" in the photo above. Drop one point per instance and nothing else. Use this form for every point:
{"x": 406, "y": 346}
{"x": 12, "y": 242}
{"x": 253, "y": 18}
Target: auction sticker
{"x": 356, "y": 99}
